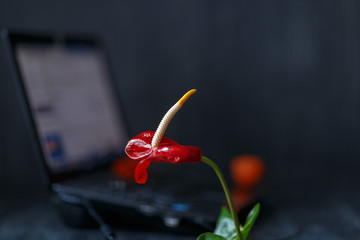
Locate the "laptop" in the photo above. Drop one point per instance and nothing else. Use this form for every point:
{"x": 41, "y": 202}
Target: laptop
{"x": 78, "y": 128}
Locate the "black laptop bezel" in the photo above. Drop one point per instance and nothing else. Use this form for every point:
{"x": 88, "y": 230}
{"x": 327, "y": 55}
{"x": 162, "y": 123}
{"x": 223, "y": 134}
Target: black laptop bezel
{"x": 10, "y": 39}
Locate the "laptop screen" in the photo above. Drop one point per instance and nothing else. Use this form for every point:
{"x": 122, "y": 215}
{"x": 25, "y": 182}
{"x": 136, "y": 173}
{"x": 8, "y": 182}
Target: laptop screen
{"x": 76, "y": 117}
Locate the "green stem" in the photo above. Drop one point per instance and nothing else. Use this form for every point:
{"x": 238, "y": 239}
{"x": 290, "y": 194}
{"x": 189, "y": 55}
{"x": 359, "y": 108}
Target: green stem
{"x": 227, "y": 194}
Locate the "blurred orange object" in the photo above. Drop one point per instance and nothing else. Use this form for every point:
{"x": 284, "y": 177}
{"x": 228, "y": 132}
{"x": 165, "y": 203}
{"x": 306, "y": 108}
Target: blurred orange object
{"x": 124, "y": 168}
{"x": 241, "y": 198}
{"x": 246, "y": 171}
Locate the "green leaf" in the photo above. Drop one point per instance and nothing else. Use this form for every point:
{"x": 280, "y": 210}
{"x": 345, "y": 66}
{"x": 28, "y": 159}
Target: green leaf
{"x": 253, "y": 214}
{"x": 224, "y": 213}
{"x": 225, "y": 226}
{"x": 250, "y": 220}
{"x": 210, "y": 236}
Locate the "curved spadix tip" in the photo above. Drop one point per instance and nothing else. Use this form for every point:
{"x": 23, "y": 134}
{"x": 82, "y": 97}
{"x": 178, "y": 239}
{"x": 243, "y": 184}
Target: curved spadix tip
{"x": 186, "y": 96}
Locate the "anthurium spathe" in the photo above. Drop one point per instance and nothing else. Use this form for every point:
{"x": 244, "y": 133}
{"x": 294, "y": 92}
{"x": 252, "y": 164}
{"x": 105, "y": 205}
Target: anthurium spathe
{"x": 151, "y": 146}
{"x": 168, "y": 151}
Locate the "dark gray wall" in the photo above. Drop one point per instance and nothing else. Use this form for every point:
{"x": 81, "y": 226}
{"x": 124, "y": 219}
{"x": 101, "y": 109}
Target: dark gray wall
{"x": 275, "y": 78}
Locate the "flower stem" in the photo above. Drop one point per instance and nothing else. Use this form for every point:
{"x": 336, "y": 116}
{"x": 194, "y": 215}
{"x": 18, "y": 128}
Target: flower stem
{"x": 227, "y": 194}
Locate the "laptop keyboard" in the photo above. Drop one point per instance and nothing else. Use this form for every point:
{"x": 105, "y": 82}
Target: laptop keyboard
{"x": 157, "y": 195}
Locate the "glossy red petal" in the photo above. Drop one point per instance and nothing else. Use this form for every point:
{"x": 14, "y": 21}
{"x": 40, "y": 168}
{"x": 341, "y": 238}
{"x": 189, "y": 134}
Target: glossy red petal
{"x": 176, "y": 154}
{"x": 139, "y": 147}
{"x": 141, "y": 174}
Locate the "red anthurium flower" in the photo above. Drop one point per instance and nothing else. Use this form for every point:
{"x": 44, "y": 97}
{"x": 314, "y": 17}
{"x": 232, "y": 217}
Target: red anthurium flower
{"x": 168, "y": 151}
{"x": 151, "y": 146}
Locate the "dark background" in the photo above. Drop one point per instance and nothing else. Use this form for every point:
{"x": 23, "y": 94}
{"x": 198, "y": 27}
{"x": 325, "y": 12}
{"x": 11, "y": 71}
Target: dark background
{"x": 279, "y": 79}
{"x": 275, "y": 78}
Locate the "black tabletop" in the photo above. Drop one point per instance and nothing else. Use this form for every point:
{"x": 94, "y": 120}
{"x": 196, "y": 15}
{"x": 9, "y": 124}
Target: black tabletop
{"x": 313, "y": 213}
{"x": 34, "y": 217}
